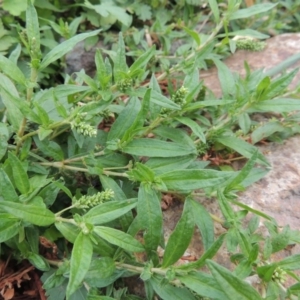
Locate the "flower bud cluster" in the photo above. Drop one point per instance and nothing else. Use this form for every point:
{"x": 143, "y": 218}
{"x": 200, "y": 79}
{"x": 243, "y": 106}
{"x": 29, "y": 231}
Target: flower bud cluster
{"x": 249, "y": 44}
{"x": 179, "y": 96}
{"x": 88, "y": 201}
{"x": 82, "y": 127}
{"x": 124, "y": 84}
{"x": 279, "y": 275}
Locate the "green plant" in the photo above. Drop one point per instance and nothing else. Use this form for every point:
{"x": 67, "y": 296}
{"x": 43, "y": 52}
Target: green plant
{"x": 85, "y": 165}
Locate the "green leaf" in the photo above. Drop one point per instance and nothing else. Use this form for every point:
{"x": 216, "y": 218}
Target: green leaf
{"x": 149, "y": 216}
{"x": 34, "y": 214}
{"x": 142, "y": 60}
{"x": 19, "y": 105}
{"x": 205, "y": 224}
{"x": 215, "y": 9}
{"x": 8, "y": 229}
{"x": 11, "y": 70}
{"x": 157, "y": 148}
{"x": 49, "y": 148}
{"x": 141, "y": 172}
{"x": 192, "y": 179}
{"x": 281, "y": 240}
{"x": 80, "y": 262}
{"x": 68, "y": 230}
{"x": 232, "y": 286}
{"x": 102, "y": 74}
{"x": 226, "y": 79}
{"x": 251, "y": 11}
{"x": 248, "y": 208}
{"x": 140, "y": 118}
{"x": 210, "y": 253}
{"x": 15, "y": 7}
{"x": 174, "y": 134}
{"x": 65, "y": 47}
{"x": 7, "y": 190}
{"x": 120, "y": 65}
{"x": 100, "y": 268}
{"x": 161, "y": 100}
{"x": 242, "y": 175}
{"x": 166, "y": 164}
{"x": 19, "y": 174}
{"x": 106, "y": 212}
{"x": 203, "y": 284}
{"x": 290, "y": 263}
{"x": 194, "y": 34}
{"x": 265, "y": 131}
{"x": 197, "y": 130}
{"x": 119, "y": 195}
{"x": 125, "y": 120}
{"x": 32, "y": 29}
{"x": 266, "y": 272}
{"x": 181, "y": 236}
{"x": 244, "y": 122}
{"x": 166, "y": 291}
{"x": 109, "y": 9}
{"x": 119, "y": 238}
{"x": 276, "y": 105}
{"x": 14, "y": 114}
{"x": 242, "y": 147}
{"x": 38, "y": 261}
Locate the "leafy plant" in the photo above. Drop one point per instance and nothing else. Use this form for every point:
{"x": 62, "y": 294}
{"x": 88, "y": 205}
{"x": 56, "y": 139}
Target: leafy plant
{"x": 85, "y": 164}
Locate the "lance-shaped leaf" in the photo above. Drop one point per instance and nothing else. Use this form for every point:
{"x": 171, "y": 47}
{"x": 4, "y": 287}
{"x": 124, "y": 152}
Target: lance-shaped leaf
{"x": 181, "y": 236}
{"x": 197, "y": 130}
{"x": 80, "y": 262}
{"x": 203, "y": 284}
{"x": 192, "y": 179}
{"x": 242, "y": 175}
{"x": 205, "y": 224}
{"x": 119, "y": 238}
{"x": 166, "y": 291}
{"x": 7, "y": 190}
{"x": 215, "y": 9}
{"x": 125, "y": 119}
{"x": 32, "y": 28}
{"x": 109, "y": 211}
{"x": 161, "y": 100}
{"x": 64, "y": 48}
{"x": 251, "y": 11}
{"x": 226, "y": 79}
{"x": 8, "y": 228}
{"x": 150, "y": 216}
{"x": 142, "y": 60}
{"x": 243, "y": 148}
{"x": 19, "y": 174}
{"x": 140, "y": 118}
{"x": 120, "y": 65}
{"x": 210, "y": 253}
{"x": 162, "y": 165}
{"x": 34, "y": 214}
{"x": 119, "y": 195}
{"x": 279, "y": 105}
{"x": 157, "y": 148}
{"x": 232, "y": 286}
{"x": 11, "y": 70}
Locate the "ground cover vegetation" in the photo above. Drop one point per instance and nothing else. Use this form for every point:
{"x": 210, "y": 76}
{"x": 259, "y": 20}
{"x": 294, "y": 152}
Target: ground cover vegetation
{"x": 86, "y": 160}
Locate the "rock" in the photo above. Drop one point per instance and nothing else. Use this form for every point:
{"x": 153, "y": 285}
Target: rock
{"x": 80, "y": 58}
{"x": 278, "y": 193}
{"x": 278, "y": 49}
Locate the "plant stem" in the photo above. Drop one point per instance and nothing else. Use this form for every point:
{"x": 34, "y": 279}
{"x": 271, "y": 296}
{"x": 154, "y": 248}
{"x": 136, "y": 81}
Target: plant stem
{"x": 32, "y": 83}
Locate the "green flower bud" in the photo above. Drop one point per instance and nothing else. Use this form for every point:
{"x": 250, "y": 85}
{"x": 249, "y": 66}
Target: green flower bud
{"x": 88, "y": 201}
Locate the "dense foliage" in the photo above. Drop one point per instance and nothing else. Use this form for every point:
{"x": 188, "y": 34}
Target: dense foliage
{"x": 86, "y": 160}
